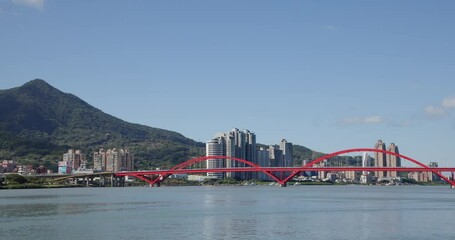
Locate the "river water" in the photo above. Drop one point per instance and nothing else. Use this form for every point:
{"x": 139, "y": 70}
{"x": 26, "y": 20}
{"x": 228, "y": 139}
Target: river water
{"x": 247, "y": 212}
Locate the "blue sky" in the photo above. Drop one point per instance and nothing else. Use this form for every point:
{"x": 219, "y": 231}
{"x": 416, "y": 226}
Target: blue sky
{"x": 328, "y": 75}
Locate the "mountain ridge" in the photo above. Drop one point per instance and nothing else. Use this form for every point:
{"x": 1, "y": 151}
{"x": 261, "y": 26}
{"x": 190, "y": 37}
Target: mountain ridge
{"x": 36, "y": 112}
{"x": 39, "y": 123}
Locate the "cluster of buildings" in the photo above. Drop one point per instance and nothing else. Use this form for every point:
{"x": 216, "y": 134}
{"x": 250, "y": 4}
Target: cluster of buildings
{"x": 425, "y": 176}
{"x": 236, "y": 144}
{"x": 10, "y": 166}
{"x": 380, "y": 159}
{"x": 73, "y": 161}
{"x": 113, "y": 160}
{"x": 386, "y": 160}
{"x": 242, "y": 145}
{"x": 110, "y": 160}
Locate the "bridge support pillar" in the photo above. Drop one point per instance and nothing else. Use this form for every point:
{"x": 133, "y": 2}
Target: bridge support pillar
{"x": 112, "y": 180}
{"x": 283, "y": 184}
{"x": 122, "y": 181}
{"x": 157, "y": 184}
{"x": 102, "y": 182}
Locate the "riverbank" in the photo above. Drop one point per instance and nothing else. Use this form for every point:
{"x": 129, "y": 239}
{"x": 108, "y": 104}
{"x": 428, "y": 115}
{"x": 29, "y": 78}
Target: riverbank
{"x": 36, "y": 186}
{"x": 30, "y": 183}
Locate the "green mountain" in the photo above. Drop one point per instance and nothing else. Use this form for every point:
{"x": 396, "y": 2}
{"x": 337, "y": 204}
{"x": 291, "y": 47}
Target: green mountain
{"x": 38, "y": 123}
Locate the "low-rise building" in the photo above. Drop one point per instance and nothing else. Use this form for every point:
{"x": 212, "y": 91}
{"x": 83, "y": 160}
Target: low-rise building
{"x": 7, "y": 166}
{"x": 419, "y": 176}
{"x": 201, "y": 178}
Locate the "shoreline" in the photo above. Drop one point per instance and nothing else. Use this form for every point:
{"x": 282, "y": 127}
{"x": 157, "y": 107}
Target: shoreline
{"x": 261, "y": 184}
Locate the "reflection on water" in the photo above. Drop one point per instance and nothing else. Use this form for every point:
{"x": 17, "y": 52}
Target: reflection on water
{"x": 326, "y": 212}
{"x": 29, "y": 197}
{"x": 34, "y": 210}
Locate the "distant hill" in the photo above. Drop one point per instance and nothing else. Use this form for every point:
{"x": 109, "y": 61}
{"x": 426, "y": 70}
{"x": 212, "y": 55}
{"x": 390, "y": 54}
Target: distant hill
{"x": 38, "y": 123}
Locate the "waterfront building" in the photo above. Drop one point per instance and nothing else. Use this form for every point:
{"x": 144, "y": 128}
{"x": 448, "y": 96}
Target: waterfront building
{"x": 276, "y": 158}
{"x": 380, "y": 159}
{"x": 113, "y": 160}
{"x": 7, "y": 166}
{"x": 352, "y": 175}
{"x": 200, "y": 178}
{"x": 286, "y": 148}
{"x": 74, "y": 159}
{"x": 99, "y": 161}
{"x": 286, "y": 156}
{"x": 386, "y": 160}
{"x": 365, "y": 179}
{"x": 321, "y": 174}
{"x": 242, "y": 144}
{"x": 308, "y": 173}
{"x": 183, "y": 176}
{"x": 25, "y": 169}
{"x": 419, "y": 176}
{"x": 275, "y": 155}
{"x": 433, "y": 177}
{"x": 263, "y": 160}
{"x": 392, "y": 160}
{"x": 238, "y": 144}
{"x": 215, "y": 147}
{"x": 331, "y": 176}
{"x": 365, "y": 162}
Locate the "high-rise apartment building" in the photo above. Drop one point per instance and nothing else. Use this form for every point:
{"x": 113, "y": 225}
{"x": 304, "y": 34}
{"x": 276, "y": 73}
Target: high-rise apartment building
{"x": 386, "y": 160}
{"x": 238, "y": 144}
{"x": 215, "y": 147}
{"x": 263, "y": 160}
{"x": 113, "y": 160}
{"x": 276, "y": 156}
{"x": 286, "y": 147}
{"x": 431, "y": 176}
{"x": 99, "y": 161}
{"x": 73, "y": 160}
{"x": 242, "y": 144}
{"x": 380, "y": 159}
{"x": 392, "y": 160}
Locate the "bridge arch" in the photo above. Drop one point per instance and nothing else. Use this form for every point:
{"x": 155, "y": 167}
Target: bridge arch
{"x": 190, "y": 162}
{"x": 334, "y": 154}
{"x": 201, "y": 159}
{"x": 255, "y": 167}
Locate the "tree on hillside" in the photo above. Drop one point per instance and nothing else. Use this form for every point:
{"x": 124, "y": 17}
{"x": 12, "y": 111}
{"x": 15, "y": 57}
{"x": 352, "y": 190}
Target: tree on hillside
{"x": 15, "y": 179}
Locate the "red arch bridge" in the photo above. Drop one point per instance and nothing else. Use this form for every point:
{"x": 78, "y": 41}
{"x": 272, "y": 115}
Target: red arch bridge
{"x": 154, "y": 178}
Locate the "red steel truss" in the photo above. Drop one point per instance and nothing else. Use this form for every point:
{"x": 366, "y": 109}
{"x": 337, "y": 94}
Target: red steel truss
{"x": 154, "y": 178}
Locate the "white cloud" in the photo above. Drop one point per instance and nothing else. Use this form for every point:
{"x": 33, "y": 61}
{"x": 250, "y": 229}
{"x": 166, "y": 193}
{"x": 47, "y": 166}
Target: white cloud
{"x": 440, "y": 110}
{"x": 363, "y": 120}
{"x": 38, "y": 4}
{"x": 448, "y": 102}
{"x": 432, "y": 111}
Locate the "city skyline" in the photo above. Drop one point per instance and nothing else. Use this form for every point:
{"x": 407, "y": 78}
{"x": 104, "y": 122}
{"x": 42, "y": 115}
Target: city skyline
{"x": 327, "y": 76}
{"x": 241, "y": 144}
